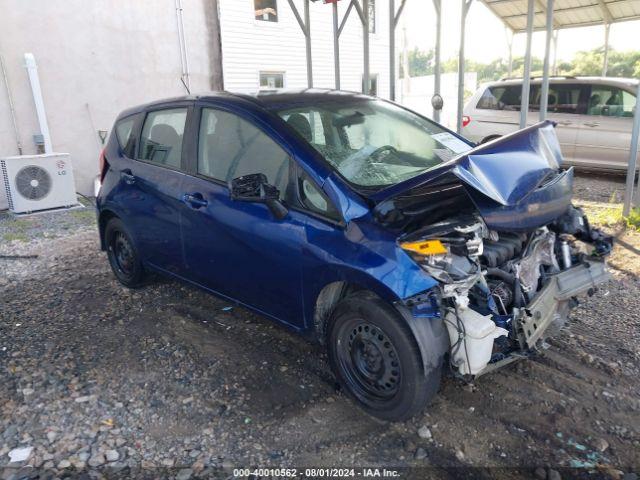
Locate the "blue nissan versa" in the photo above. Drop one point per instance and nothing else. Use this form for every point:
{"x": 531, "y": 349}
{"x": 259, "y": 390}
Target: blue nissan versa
{"x": 397, "y": 243}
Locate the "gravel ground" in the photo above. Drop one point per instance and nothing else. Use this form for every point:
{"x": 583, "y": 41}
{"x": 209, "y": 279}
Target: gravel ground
{"x": 166, "y": 377}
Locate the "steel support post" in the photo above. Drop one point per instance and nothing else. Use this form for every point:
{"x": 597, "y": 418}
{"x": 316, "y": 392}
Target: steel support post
{"x": 463, "y": 23}
{"x": 633, "y": 158}
{"x": 437, "y": 71}
{"x": 526, "y": 81}
{"x": 544, "y": 94}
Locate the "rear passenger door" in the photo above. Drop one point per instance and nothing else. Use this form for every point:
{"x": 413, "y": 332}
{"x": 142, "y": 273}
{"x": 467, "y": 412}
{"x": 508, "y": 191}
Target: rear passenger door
{"x": 153, "y": 186}
{"x": 234, "y": 248}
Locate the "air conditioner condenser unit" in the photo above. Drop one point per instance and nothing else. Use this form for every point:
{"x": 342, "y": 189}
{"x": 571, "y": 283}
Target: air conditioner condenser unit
{"x": 38, "y": 182}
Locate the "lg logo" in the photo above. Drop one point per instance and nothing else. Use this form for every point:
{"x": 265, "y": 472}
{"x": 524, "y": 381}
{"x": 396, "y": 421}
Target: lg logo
{"x": 61, "y": 167}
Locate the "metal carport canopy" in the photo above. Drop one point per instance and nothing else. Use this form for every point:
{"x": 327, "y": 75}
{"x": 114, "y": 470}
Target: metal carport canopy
{"x": 525, "y": 16}
{"x": 566, "y": 13}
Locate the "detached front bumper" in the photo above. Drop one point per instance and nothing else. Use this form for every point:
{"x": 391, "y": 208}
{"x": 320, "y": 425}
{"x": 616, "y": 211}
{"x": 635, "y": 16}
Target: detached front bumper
{"x": 551, "y": 303}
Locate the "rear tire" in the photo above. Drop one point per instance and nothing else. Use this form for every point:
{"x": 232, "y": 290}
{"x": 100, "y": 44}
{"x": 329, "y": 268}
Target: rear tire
{"x": 375, "y": 358}
{"x": 123, "y": 255}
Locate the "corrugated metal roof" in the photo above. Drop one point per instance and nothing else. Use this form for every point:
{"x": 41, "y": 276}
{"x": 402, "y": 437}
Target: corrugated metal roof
{"x": 567, "y": 13}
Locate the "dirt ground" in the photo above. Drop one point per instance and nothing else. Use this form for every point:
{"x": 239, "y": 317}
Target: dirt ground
{"x": 167, "y": 377}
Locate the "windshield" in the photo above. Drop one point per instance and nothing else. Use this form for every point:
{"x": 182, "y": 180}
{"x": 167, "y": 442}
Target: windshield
{"x": 373, "y": 143}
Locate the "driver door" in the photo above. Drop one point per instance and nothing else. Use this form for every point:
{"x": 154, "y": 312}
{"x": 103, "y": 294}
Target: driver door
{"x": 234, "y": 248}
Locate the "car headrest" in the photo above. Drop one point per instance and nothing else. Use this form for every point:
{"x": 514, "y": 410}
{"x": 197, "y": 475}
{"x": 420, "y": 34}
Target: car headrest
{"x": 164, "y": 134}
{"x": 300, "y": 124}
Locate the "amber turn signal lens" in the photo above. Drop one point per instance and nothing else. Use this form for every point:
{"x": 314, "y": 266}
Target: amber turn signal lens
{"x": 425, "y": 247}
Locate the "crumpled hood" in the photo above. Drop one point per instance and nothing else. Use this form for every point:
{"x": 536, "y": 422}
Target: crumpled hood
{"x": 514, "y": 181}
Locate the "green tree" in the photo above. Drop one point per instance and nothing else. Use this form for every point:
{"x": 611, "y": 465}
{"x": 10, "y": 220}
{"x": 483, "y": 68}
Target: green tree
{"x": 584, "y": 63}
{"x": 420, "y": 63}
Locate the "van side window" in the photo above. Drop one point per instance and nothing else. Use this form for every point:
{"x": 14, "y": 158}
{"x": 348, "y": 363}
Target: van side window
{"x": 230, "y": 147}
{"x": 563, "y": 98}
{"x": 610, "y": 102}
{"x": 162, "y": 135}
{"x": 125, "y": 135}
{"x": 501, "y": 97}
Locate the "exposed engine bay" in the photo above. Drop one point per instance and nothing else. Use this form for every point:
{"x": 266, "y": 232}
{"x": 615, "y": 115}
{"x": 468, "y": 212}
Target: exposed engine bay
{"x": 500, "y": 292}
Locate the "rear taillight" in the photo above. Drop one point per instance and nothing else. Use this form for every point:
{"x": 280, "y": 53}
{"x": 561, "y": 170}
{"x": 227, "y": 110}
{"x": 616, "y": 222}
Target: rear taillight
{"x": 466, "y": 120}
{"x": 104, "y": 165}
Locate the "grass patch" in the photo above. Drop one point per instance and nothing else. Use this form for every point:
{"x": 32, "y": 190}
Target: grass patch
{"x": 610, "y": 215}
{"x": 633, "y": 220}
{"x": 83, "y": 214}
{"x": 15, "y": 236}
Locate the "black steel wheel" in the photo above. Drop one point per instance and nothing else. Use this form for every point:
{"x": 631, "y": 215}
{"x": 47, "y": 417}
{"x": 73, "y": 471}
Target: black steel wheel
{"x": 376, "y": 359}
{"x": 369, "y": 360}
{"x": 123, "y": 255}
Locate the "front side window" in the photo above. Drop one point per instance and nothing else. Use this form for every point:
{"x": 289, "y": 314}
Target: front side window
{"x": 266, "y": 10}
{"x": 271, "y": 80}
{"x": 610, "y": 102}
{"x": 162, "y": 135}
{"x": 230, "y": 147}
{"x": 372, "y": 143}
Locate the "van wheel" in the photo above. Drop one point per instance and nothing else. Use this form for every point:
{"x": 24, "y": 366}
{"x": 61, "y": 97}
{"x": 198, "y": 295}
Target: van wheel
{"x": 123, "y": 255}
{"x": 376, "y": 359}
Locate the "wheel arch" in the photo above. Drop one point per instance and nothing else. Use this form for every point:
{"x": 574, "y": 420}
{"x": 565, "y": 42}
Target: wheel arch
{"x": 429, "y": 332}
{"x": 489, "y": 138}
{"x": 103, "y": 218}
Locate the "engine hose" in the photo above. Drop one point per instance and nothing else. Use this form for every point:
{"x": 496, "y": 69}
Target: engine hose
{"x": 517, "y": 293}
{"x": 496, "y": 272}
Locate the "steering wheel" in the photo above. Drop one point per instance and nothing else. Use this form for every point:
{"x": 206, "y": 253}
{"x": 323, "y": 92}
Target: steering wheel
{"x": 379, "y": 151}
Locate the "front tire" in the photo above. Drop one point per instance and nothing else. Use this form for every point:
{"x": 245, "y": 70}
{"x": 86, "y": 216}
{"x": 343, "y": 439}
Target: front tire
{"x": 376, "y": 358}
{"x": 123, "y": 255}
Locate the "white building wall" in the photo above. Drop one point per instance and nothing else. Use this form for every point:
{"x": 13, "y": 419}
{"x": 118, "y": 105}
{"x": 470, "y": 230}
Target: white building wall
{"x": 251, "y": 46}
{"x": 95, "y": 58}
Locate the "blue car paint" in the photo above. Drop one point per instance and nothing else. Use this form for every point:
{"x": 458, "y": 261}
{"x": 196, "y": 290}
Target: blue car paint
{"x": 280, "y": 268}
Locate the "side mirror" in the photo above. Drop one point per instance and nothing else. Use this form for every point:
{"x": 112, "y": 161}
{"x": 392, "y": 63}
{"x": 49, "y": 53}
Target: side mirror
{"x": 437, "y": 102}
{"x": 256, "y": 188}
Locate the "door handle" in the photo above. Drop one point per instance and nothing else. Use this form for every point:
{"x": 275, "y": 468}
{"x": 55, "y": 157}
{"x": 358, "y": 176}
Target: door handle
{"x": 195, "y": 200}
{"x": 564, "y": 123}
{"x": 128, "y": 177}
{"x": 591, "y": 124}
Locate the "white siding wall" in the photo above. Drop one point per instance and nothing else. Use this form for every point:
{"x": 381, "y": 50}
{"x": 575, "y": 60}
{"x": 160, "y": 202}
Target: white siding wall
{"x": 98, "y": 56}
{"x": 251, "y": 46}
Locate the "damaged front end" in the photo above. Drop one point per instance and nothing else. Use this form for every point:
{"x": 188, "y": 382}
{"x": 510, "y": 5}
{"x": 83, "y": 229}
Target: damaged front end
{"x": 497, "y": 229}
{"x": 501, "y": 293}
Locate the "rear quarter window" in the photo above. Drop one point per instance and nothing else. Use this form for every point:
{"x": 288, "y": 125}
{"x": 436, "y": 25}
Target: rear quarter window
{"x": 125, "y": 135}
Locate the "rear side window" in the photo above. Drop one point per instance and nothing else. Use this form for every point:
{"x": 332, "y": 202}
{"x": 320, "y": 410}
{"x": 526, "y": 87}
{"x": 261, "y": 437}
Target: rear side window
{"x": 125, "y": 135}
{"x": 501, "y": 97}
{"x": 162, "y": 135}
{"x": 230, "y": 147}
{"x": 563, "y": 98}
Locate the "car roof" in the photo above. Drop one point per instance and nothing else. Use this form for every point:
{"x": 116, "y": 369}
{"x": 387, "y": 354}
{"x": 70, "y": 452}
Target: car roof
{"x": 264, "y": 99}
{"x": 616, "y": 81}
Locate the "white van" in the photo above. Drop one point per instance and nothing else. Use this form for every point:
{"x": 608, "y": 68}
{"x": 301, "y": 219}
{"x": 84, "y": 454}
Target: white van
{"x": 594, "y": 116}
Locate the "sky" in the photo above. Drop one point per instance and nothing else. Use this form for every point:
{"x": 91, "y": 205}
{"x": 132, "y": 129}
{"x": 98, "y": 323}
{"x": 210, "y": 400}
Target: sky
{"x": 486, "y": 37}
